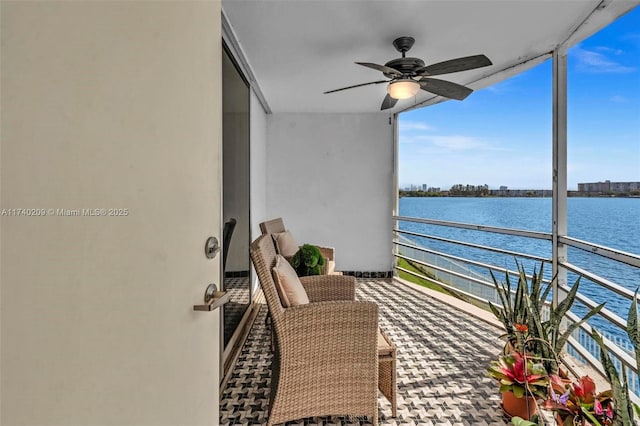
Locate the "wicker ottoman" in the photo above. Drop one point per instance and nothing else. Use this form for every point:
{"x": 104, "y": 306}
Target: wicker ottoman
{"x": 387, "y": 369}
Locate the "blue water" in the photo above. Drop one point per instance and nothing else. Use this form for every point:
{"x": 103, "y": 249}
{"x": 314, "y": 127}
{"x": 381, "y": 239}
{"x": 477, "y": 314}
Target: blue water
{"x": 612, "y": 222}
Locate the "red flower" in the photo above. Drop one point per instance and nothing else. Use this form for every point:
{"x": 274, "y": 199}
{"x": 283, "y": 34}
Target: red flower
{"x": 517, "y": 372}
{"x": 598, "y": 408}
{"x": 585, "y": 389}
{"x": 521, "y": 328}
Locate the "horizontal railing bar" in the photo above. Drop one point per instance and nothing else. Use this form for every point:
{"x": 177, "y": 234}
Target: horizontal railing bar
{"x": 478, "y": 246}
{"x": 447, "y": 286}
{"x": 588, "y": 356}
{"x": 619, "y": 353}
{"x": 462, "y": 259}
{"x": 623, "y": 356}
{"x": 494, "y": 229}
{"x": 438, "y": 268}
{"x": 504, "y": 270}
{"x": 616, "y": 288}
{"x": 604, "y": 312}
{"x": 610, "y": 253}
{"x": 627, "y": 360}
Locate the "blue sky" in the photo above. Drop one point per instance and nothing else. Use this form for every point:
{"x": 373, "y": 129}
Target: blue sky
{"x": 501, "y": 135}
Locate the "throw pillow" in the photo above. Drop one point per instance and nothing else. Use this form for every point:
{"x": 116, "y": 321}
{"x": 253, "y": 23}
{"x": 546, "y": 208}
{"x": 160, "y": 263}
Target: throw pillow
{"x": 285, "y": 244}
{"x": 288, "y": 284}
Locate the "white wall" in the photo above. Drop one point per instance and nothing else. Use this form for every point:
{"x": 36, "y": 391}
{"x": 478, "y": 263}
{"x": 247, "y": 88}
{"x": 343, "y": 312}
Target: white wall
{"x": 330, "y": 177}
{"x": 109, "y": 105}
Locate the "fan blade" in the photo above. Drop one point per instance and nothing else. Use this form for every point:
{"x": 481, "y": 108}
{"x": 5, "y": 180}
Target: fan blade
{"x": 388, "y": 102}
{"x": 382, "y": 68}
{"x": 455, "y": 65}
{"x": 445, "y": 88}
{"x": 356, "y": 85}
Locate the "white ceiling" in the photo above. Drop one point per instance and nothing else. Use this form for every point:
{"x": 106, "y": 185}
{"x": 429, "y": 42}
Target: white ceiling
{"x": 299, "y": 49}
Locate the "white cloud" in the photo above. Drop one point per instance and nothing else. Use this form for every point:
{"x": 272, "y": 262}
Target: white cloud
{"x": 406, "y": 138}
{"x": 443, "y": 142}
{"x": 611, "y": 50}
{"x": 619, "y": 99}
{"x": 450, "y": 144}
{"x": 415, "y": 125}
{"x": 456, "y": 142}
{"x": 597, "y": 62}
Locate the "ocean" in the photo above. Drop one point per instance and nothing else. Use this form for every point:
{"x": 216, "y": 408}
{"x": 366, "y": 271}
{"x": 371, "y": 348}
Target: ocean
{"x": 611, "y": 222}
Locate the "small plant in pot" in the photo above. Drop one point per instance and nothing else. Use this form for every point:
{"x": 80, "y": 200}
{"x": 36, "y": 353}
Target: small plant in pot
{"x": 523, "y": 307}
{"x": 626, "y": 413}
{"x": 522, "y": 380}
{"x": 578, "y": 404}
{"x": 308, "y": 261}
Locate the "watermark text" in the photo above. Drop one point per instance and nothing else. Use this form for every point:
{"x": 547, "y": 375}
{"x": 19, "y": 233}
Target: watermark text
{"x": 62, "y": 212}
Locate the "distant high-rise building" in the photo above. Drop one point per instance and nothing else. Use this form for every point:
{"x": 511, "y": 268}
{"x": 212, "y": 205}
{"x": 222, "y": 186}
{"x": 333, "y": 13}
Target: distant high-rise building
{"x": 608, "y": 186}
{"x": 424, "y": 187}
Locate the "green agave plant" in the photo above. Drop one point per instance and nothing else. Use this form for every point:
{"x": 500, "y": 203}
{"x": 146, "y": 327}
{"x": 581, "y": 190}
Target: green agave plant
{"x": 525, "y": 309}
{"x": 623, "y": 407}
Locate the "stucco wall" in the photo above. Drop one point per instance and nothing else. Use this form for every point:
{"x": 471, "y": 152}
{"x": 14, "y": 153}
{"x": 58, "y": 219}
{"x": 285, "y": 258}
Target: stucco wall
{"x": 330, "y": 177}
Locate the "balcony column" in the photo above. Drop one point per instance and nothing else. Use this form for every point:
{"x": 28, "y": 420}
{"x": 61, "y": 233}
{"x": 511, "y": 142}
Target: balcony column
{"x": 393, "y": 120}
{"x": 559, "y": 202}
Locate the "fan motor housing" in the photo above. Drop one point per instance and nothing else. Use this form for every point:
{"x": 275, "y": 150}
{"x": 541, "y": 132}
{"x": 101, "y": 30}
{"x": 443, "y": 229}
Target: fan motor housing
{"x": 404, "y": 65}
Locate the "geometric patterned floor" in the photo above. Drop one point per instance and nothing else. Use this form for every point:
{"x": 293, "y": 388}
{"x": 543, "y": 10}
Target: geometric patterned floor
{"x": 239, "y": 290}
{"x": 442, "y": 355}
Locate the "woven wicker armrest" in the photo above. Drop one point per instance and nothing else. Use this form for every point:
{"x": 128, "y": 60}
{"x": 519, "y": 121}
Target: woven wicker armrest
{"x": 322, "y": 288}
{"x": 332, "y": 334}
{"x": 327, "y": 252}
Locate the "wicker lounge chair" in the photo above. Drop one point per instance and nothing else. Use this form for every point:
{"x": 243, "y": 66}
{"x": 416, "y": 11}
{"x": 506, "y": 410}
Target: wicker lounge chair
{"x": 276, "y": 226}
{"x": 326, "y": 352}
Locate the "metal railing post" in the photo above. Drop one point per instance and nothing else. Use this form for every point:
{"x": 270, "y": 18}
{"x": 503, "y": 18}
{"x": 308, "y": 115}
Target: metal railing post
{"x": 559, "y": 200}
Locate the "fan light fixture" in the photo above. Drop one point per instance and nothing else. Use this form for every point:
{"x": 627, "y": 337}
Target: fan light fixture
{"x": 403, "y": 88}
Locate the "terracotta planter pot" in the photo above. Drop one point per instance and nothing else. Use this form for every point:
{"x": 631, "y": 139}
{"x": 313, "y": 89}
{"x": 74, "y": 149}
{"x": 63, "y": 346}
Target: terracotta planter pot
{"x": 521, "y": 407}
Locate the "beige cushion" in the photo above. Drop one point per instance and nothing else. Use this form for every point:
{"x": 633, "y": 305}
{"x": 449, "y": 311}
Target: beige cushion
{"x": 285, "y": 244}
{"x": 288, "y": 284}
{"x": 330, "y": 267}
{"x": 385, "y": 347}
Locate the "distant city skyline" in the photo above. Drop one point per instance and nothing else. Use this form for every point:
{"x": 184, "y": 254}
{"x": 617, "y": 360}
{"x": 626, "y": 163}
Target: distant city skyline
{"x": 502, "y": 135}
{"x": 426, "y": 187}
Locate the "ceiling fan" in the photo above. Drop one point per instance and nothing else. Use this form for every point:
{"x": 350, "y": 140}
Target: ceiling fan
{"x": 409, "y": 75}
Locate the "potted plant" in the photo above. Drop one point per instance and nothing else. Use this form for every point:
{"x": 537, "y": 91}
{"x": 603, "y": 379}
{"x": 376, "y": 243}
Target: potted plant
{"x": 625, "y": 411}
{"x": 578, "y": 404}
{"x": 523, "y": 308}
{"x": 308, "y": 261}
{"x": 522, "y": 380}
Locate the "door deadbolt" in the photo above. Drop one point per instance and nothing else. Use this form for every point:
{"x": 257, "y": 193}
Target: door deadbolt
{"x": 211, "y": 248}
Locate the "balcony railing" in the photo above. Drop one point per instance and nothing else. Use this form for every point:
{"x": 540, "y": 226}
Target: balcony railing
{"x": 461, "y": 267}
